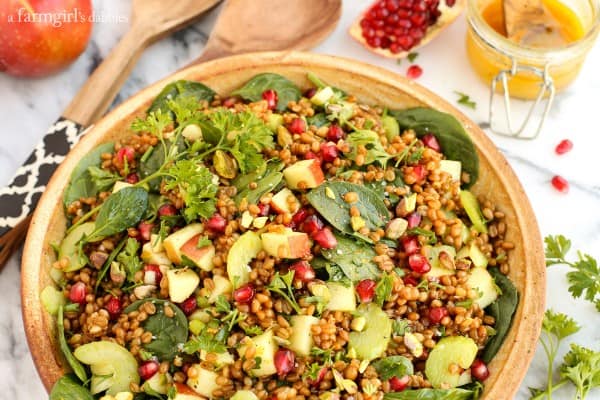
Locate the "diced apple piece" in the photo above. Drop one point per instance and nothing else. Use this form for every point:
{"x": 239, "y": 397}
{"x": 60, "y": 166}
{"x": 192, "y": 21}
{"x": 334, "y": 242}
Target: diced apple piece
{"x": 476, "y": 255}
{"x": 201, "y": 256}
{"x": 244, "y": 395}
{"x": 175, "y": 241}
{"x": 109, "y": 361}
{"x": 182, "y": 283}
{"x": 222, "y": 286}
{"x": 52, "y": 299}
{"x": 284, "y": 202}
{"x": 308, "y": 172}
{"x": 451, "y": 167}
{"x": 266, "y": 347}
{"x": 204, "y": 383}
{"x": 479, "y": 279}
{"x": 322, "y": 96}
{"x": 286, "y": 244}
{"x": 301, "y": 340}
{"x": 457, "y": 350}
{"x": 150, "y": 256}
{"x": 240, "y": 254}
{"x": 69, "y": 248}
{"x": 159, "y": 383}
{"x": 222, "y": 358}
{"x": 121, "y": 185}
{"x": 342, "y": 297}
{"x": 184, "y": 392}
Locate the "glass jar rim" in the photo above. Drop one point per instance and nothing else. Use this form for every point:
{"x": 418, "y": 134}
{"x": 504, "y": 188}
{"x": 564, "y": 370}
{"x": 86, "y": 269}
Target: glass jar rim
{"x": 542, "y": 55}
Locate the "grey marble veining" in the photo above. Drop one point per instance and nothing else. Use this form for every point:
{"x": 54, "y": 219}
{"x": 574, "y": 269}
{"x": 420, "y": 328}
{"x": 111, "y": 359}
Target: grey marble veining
{"x": 28, "y": 107}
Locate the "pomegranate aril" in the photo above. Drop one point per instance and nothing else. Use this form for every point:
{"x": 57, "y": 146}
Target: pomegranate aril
{"x": 335, "y": 133}
{"x": 148, "y": 369}
{"x": 410, "y": 245}
{"x": 431, "y": 141}
{"x": 419, "y": 263}
{"x": 329, "y": 152}
{"x": 271, "y": 97}
{"x": 284, "y": 362}
{"x": 264, "y": 209}
{"x": 152, "y": 274}
{"x": 132, "y": 178}
{"x": 560, "y": 184}
{"x": 564, "y": 146}
{"x": 309, "y": 155}
{"x": 479, "y": 370}
{"x": 399, "y": 384}
{"x": 167, "y": 210}
{"x": 325, "y": 238}
{"x": 410, "y": 281}
{"x": 414, "y": 72}
{"x": 126, "y": 153}
{"x": 303, "y": 271}
{"x": 297, "y": 126}
{"x": 216, "y": 223}
{"x": 145, "y": 230}
{"x": 189, "y": 305}
{"x": 77, "y": 293}
{"x": 114, "y": 307}
{"x": 366, "y": 290}
{"x": 413, "y": 219}
{"x": 320, "y": 376}
{"x": 310, "y": 93}
{"x": 244, "y": 294}
{"x": 419, "y": 172}
{"x": 311, "y": 225}
{"x": 229, "y": 102}
{"x": 436, "y": 314}
{"x": 300, "y": 216}
{"x": 450, "y": 3}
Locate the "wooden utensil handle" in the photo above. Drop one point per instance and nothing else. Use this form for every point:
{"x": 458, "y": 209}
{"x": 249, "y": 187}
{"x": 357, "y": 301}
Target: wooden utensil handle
{"x": 101, "y": 88}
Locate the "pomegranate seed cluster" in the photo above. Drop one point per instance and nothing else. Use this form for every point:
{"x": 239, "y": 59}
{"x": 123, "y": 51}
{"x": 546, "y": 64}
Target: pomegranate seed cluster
{"x": 399, "y": 25}
{"x": 272, "y": 293}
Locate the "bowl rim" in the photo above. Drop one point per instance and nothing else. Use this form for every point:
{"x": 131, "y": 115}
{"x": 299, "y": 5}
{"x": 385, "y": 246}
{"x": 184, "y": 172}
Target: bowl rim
{"x": 532, "y": 297}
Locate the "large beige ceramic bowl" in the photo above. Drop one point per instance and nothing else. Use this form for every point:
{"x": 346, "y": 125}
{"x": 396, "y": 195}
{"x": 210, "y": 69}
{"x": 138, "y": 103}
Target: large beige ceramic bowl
{"x": 372, "y": 86}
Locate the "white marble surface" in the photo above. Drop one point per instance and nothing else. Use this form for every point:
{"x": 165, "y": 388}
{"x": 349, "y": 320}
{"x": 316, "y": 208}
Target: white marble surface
{"x": 28, "y": 107}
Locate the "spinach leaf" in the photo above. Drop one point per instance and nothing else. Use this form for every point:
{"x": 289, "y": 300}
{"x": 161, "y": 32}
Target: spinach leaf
{"x": 266, "y": 182}
{"x": 431, "y": 394}
{"x": 353, "y": 258}
{"x": 318, "y": 120}
{"x": 81, "y": 183}
{"x": 120, "y": 211}
{"x": 67, "y": 388}
{"x": 502, "y": 310}
{"x": 328, "y": 200}
{"x": 286, "y": 90}
{"x": 108, "y": 262}
{"x": 180, "y": 88}
{"x": 156, "y": 159}
{"x": 389, "y": 367}
{"x": 169, "y": 334}
{"x": 66, "y": 350}
{"x": 454, "y": 140}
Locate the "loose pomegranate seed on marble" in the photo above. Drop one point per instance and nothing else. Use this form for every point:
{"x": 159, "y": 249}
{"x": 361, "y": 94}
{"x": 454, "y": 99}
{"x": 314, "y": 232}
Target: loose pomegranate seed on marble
{"x": 271, "y": 97}
{"x": 564, "y": 146}
{"x": 414, "y": 71}
{"x": 560, "y": 184}
{"x": 244, "y": 294}
{"x": 303, "y": 271}
{"x": 366, "y": 290}
{"x": 479, "y": 370}
{"x": 148, "y": 369}
{"x": 284, "y": 362}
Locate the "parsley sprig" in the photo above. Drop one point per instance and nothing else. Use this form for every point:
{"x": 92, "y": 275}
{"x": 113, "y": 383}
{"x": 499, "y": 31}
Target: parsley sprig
{"x": 584, "y": 279}
{"x": 283, "y": 286}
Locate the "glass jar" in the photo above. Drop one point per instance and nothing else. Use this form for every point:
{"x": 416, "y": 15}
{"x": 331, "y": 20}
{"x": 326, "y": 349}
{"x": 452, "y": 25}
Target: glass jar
{"x": 527, "y": 72}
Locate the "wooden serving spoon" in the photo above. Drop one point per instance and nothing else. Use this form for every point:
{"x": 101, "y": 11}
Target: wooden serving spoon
{"x": 242, "y": 27}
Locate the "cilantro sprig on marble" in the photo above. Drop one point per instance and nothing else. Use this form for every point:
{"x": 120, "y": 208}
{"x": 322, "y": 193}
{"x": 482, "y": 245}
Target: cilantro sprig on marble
{"x": 584, "y": 279}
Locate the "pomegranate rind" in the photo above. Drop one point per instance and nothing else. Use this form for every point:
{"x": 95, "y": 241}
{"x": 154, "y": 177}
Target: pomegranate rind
{"x": 448, "y": 15}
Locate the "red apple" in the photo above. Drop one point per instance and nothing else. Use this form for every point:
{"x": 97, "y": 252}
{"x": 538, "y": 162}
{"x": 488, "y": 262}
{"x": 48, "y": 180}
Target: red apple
{"x": 40, "y": 37}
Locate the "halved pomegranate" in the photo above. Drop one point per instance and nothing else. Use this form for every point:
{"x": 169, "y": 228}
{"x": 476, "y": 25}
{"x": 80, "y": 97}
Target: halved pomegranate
{"x": 393, "y": 28}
